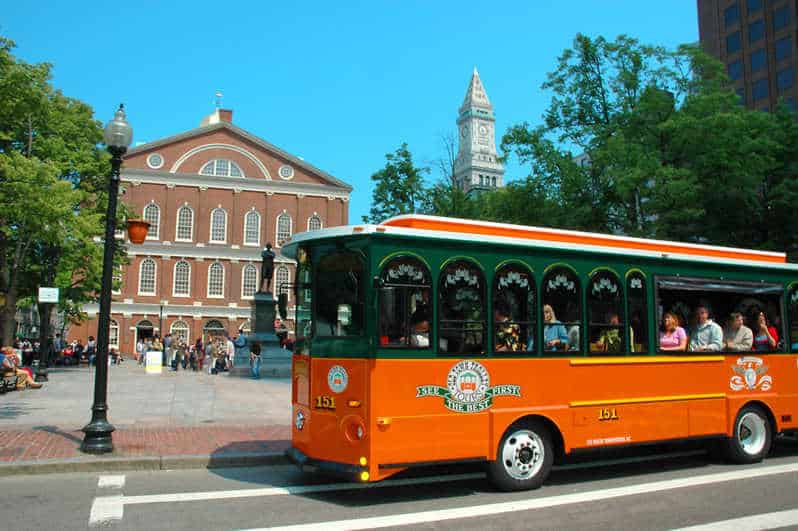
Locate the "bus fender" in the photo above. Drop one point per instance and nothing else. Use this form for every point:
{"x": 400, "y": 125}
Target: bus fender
{"x": 736, "y": 405}
{"x": 501, "y": 419}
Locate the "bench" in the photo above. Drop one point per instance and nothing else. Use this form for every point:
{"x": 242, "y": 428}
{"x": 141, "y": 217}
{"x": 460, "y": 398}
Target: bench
{"x": 8, "y": 383}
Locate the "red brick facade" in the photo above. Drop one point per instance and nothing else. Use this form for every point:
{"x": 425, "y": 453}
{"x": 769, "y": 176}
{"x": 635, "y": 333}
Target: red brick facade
{"x": 167, "y": 174}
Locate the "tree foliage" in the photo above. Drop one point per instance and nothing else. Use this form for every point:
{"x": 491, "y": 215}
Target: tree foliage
{"x": 51, "y": 188}
{"x": 399, "y": 187}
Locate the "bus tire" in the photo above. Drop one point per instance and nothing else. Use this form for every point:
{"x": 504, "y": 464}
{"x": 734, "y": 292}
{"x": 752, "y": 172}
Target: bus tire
{"x": 750, "y": 441}
{"x": 523, "y": 458}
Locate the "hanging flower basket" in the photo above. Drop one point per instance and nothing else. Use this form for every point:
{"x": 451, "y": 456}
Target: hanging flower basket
{"x": 137, "y": 230}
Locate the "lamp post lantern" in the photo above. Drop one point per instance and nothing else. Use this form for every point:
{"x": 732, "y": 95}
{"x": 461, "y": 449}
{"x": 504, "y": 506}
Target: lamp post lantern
{"x": 97, "y": 439}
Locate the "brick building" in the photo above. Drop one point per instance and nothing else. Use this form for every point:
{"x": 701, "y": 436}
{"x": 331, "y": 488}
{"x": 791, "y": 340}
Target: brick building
{"x": 755, "y": 39}
{"x": 215, "y": 196}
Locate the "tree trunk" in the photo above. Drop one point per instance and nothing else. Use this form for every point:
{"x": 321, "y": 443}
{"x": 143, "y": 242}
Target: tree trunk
{"x": 9, "y": 312}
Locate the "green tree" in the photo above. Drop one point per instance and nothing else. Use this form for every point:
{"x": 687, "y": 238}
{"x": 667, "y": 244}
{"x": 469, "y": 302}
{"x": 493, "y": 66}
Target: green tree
{"x": 399, "y": 187}
{"x": 52, "y": 189}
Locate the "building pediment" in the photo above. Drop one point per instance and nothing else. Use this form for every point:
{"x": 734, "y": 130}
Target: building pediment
{"x": 243, "y": 156}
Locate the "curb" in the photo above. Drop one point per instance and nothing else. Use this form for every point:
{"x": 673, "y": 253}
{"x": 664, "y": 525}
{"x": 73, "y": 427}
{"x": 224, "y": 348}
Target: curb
{"x": 165, "y": 462}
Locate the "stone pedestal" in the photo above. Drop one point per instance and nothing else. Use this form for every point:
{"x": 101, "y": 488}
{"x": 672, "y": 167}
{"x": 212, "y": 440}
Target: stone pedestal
{"x": 274, "y": 360}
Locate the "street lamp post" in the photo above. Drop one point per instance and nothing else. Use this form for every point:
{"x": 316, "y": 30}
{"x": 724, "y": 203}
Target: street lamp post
{"x": 161, "y": 335}
{"x": 97, "y": 439}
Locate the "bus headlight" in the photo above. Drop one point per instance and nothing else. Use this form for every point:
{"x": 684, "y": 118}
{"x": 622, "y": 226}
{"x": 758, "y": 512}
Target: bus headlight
{"x": 354, "y": 429}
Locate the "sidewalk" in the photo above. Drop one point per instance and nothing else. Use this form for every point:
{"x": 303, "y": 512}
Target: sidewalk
{"x": 171, "y": 420}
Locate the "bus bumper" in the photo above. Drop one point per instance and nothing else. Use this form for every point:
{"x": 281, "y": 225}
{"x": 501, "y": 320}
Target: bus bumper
{"x": 330, "y": 468}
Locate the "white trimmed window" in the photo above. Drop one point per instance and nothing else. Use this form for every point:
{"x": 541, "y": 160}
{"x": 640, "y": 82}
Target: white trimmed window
{"x": 181, "y": 287}
{"x": 147, "y": 277}
{"x": 252, "y": 228}
{"x": 218, "y": 226}
{"x": 113, "y": 334}
{"x": 185, "y": 224}
{"x": 152, "y": 215}
{"x": 281, "y": 279}
{"x": 216, "y": 280}
{"x": 179, "y": 331}
{"x": 116, "y": 288}
{"x": 249, "y": 281}
{"x": 222, "y": 168}
{"x": 314, "y": 222}
{"x": 283, "y": 228}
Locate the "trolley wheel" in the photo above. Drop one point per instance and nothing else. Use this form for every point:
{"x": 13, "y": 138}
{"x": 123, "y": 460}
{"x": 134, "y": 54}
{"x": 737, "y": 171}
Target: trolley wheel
{"x": 524, "y": 457}
{"x": 750, "y": 442}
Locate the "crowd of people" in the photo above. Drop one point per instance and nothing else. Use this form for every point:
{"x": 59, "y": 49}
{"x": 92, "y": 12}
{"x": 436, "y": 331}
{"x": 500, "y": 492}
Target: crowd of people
{"x": 707, "y": 336}
{"x": 216, "y": 354}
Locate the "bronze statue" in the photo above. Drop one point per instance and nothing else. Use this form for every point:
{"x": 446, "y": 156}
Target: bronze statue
{"x": 266, "y": 269}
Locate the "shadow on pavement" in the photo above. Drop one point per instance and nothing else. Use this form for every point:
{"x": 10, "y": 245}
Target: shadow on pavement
{"x": 13, "y": 410}
{"x": 242, "y": 460}
{"x": 57, "y": 431}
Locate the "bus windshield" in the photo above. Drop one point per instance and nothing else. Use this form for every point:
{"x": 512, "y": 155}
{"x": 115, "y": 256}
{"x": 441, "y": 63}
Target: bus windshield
{"x": 340, "y": 295}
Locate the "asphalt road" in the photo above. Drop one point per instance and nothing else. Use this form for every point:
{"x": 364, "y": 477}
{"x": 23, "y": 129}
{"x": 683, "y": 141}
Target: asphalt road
{"x": 660, "y": 488}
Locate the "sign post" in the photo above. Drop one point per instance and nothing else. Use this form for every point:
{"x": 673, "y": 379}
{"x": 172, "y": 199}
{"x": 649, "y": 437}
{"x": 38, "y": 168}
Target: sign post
{"x": 47, "y": 297}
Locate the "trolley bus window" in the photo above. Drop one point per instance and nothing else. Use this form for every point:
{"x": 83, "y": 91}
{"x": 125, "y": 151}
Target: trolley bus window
{"x": 304, "y": 298}
{"x": 562, "y": 310}
{"x": 792, "y": 314}
{"x": 724, "y": 300}
{"x": 461, "y": 309}
{"x": 605, "y": 313}
{"x": 404, "y": 299}
{"x": 637, "y": 312}
{"x": 339, "y": 295}
{"x": 514, "y": 310}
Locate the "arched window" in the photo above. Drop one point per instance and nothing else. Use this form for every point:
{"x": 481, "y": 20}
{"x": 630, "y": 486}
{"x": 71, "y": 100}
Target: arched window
{"x": 252, "y": 228}
{"x": 179, "y": 331}
{"x": 281, "y": 280}
{"x": 214, "y": 328}
{"x": 637, "y": 310}
{"x": 605, "y": 313}
{"x": 314, "y": 222}
{"x": 283, "y": 228}
{"x": 249, "y": 281}
{"x": 792, "y": 316}
{"x": 514, "y": 310}
{"x": 113, "y": 334}
{"x": 562, "y": 310}
{"x": 147, "y": 277}
{"x": 185, "y": 224}
{"x": 181, "y": 286}
{"x": 216, "y": 280}
{"x": 404, "y": 303}
{"x": 218, "y": 225}
{"x": 222, "y": 168}
{"x": 152, "y": 215}
{"x": 461, "y": 309}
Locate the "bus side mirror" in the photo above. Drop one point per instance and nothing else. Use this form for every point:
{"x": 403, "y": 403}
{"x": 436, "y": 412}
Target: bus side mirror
{"x": 282, "y": 305}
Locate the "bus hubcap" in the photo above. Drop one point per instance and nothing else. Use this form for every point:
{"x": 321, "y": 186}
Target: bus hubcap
{"x": 522, "y": 454}
{"x": 751, "y": 433}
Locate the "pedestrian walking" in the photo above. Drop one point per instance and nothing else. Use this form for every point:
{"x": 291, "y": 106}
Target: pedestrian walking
{"x": 254, "y": 360}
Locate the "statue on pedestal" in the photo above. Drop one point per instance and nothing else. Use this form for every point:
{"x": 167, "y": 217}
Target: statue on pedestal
{"x": 266, "y": 269}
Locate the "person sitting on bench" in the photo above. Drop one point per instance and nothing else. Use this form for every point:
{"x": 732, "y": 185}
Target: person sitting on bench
{"x": 8, "y": 366}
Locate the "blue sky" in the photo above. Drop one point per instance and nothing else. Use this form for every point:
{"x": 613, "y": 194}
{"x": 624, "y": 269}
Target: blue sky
{"x": 339, "y": 84}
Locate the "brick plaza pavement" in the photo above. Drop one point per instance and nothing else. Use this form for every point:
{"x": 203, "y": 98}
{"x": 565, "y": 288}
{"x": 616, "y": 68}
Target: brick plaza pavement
{"x": 173, "y": 419}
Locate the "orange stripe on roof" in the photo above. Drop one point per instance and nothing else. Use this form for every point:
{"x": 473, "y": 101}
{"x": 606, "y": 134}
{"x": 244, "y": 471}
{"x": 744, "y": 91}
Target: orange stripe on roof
{"x": 533, "y": 233}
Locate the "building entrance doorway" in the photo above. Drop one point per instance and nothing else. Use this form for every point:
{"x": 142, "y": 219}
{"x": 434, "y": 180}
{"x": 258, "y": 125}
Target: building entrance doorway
{"x": 144, "y": 330}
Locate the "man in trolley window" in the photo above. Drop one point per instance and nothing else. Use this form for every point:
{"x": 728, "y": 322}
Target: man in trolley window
{"x": 708, "y": 335}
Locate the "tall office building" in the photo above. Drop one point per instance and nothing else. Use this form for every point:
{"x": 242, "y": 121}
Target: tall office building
{"x": 755, "y": 39}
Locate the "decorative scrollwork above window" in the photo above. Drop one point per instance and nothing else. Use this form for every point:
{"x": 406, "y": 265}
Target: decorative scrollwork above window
{"x": 561, "y": 281}
{"x": 462, "y": 276}
{"x": 604, "y": 285}
{"x": 636, "y": 283}
{"x": 513, "y": 278}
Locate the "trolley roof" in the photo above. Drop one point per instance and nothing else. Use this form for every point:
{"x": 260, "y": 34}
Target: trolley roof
{"x": 421, "y": 226}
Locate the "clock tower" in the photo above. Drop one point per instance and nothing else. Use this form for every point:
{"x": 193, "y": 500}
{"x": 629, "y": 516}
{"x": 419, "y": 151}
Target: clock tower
{"x": 476, "y": 166}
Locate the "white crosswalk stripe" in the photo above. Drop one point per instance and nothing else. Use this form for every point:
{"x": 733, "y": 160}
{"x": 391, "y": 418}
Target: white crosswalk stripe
{"x": 750, "y": 523}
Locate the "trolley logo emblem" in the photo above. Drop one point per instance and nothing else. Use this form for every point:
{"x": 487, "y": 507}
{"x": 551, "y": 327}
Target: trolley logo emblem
{"x": 750, "y": 374}
{"x": 337, "y": 379}
{"x": 468, "y": 388}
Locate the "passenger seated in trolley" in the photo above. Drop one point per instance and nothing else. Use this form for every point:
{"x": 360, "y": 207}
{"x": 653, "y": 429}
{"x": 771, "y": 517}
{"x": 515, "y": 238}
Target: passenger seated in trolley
{"x": 708, "y": 336}
{"x": 737, "y": 337}
{"x": 555, "y": 337}
{"x": 419, "y": 334}
{"x": 766, "y": 338}
{"x": 672, "y": 337}
{"x": 507, "y": 334}
{"x": 609, "y": 338}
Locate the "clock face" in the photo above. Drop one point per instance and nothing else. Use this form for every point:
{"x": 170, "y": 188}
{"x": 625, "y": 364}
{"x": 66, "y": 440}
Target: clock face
{"x": 464, "y": 131}
{"x": 483, "y": 130}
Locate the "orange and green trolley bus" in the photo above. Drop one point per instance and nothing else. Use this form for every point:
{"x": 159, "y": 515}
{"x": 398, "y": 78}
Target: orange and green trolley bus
{"x": 428, "y": 340}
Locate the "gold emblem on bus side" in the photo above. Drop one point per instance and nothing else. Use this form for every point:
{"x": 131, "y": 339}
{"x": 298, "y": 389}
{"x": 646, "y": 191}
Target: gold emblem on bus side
{"x": 468, "y": 388}
{"x": 750, "y": 374}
